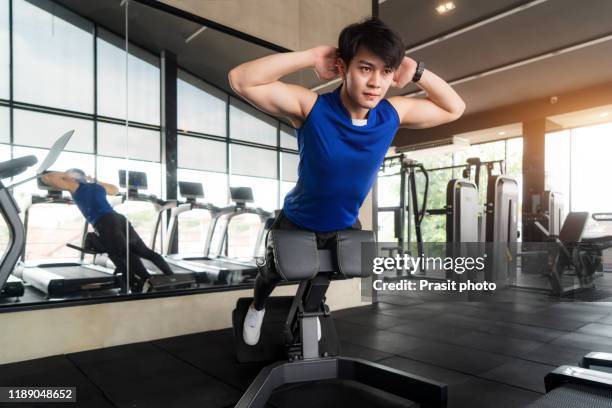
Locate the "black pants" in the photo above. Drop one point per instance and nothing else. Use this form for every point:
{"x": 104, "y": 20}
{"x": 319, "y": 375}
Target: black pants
{"x": 268, "y": 277}
{"x": 112, "y": 232}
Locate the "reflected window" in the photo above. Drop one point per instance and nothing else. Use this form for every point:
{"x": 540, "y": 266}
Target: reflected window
{"x": 53, "y": 56}
{"x": 590, "y": 168}
{"x": 264, "y": 190}
{"x": 242, "y": 233}
{"x": 4, "y": 50}
{"x": 214, "y": 185}
{"x": 251, "y": 161}
{"x": 42, "y": 130}
{"x": 557, "y": 164}
{"x": 193, "y": 228}
{"x": 200, "y": 107}
{"x": 143, "y": 84}
{"x": 201, "y": 154}
{"x": 5, "y": 125}
{"x": 247, "y": 123}
{"x": 50, "y": 227}
{"x": 140, "y": 144}
{"x": 288, "y": 137}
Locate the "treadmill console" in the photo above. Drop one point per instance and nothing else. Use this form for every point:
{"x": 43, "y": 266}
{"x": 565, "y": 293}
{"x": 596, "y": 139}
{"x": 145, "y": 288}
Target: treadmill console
{"x": 241, "y": 195}
{"x": 191, "y": 190}
{"x": 137, "y": 180}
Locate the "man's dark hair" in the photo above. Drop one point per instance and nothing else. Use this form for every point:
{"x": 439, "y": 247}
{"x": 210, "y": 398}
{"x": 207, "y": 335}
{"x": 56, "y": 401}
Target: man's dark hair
{"x": 80, "y": 172}
{"x": 374, "y": 35}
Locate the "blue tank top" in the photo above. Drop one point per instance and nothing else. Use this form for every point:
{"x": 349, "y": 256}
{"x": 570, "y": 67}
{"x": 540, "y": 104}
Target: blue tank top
{"x": 339, "y": 163}
{"x": 91, "y": 200}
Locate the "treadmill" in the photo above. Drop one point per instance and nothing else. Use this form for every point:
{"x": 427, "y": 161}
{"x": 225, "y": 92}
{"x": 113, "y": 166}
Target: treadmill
{"x": 213, "y": 257}
{"x": 12, "y": 286}
{"x": 57, "y": 278}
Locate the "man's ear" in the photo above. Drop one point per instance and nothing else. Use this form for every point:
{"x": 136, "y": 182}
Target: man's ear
{"x": 342, "y": 68}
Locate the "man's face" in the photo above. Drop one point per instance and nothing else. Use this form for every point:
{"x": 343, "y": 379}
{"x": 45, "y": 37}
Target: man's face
{"x": 367, "y": 79}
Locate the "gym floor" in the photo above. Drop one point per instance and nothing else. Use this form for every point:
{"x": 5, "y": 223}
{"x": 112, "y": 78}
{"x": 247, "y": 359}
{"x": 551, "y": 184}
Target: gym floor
{"x": 489, "y": 354}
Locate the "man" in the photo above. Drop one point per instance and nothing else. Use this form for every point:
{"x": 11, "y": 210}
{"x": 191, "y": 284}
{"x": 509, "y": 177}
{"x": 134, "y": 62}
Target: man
{"x": 343, "y": 135}
{"x": 90, "y": 198}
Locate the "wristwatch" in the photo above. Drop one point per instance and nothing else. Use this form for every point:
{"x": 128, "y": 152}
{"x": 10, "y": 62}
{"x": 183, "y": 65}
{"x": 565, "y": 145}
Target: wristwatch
{"x": 419, "y": 71}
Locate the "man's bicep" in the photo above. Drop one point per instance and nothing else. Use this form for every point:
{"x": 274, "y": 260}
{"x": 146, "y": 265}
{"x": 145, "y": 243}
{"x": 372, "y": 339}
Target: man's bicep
{"x": 280, "y": 99}
{"x": 417, "y": 113}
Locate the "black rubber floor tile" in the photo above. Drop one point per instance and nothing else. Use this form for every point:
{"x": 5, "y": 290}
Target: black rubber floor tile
{"x": 375, "y": 320}
{"x": 597, "y": 329}
{"x": 425, "y": 370}
{"x": 356, "y": 351}
{"x": 457, "y": 358}
{"x": 556, "y": 355}
{"x": 431, "y": 330}
{"x": 213, "y": 352}
{"x": 496, "y": 344}
{"x": 480, "y": 393}
{"x": 398, "y": 300}
{"x": 410, "y": 313}
{"x": 584, "y": 311}
{"x": 585, "y": 341}
{"x": 459, "y": 320}
{"x": 547, "y": 320}
{"x": 522, "y": 331}
{"x": 387, "y": 341}
{"x": 520, "y": 373}
{"x": 373, "y": 308}
{"x": 56, "y": 371}
{"x": 347, "y": 330}
{"x": 445, "y": 307}
{"x": 144, "y": 375}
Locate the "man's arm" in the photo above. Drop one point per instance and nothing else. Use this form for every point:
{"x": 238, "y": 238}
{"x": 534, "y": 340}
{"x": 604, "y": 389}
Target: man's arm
{"x": 110, "y": 189}
{"x": 258, "y": 81}
{"x": 60, "y": 181}
{"x": 441, "y": 105}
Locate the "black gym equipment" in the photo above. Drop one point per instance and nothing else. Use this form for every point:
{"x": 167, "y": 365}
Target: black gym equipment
{"x": 307, "y": 359}
{"x": 10, "y": 285}
{"x": 213, "y": 263}
{"x": 57, "y": 278}
{"x": 579, "y": 387}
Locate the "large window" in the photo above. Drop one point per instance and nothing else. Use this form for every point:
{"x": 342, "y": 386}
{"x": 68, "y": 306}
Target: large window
{"x": 5, "y": 125}
{"x": 249, "y": 124}
{"x": 53, "y": 56}
{"x": 4, "y": 50}
{"x": 256, "y": 168}
{"x": 143, "y": 84}
{"x": 577, "y": 164}
{"x": 201, "y": 107}
{"x": 42, "y": 129}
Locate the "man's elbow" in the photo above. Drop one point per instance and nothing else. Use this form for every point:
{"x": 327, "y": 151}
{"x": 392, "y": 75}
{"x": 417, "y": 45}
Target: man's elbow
{"x": 234, "y": 80}
{"x": 458, "y": 111}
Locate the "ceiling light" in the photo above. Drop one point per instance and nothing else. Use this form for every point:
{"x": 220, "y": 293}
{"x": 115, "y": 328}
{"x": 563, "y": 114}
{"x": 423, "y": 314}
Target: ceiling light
{"x": 604, "y": 114}
{"x": 501, "y": 133}
{"x": 445, "y": 7}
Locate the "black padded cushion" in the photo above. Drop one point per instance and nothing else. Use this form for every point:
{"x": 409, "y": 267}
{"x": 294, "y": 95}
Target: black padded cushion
{"x": 295, "y": 254}
{"x": 350, "y": 251}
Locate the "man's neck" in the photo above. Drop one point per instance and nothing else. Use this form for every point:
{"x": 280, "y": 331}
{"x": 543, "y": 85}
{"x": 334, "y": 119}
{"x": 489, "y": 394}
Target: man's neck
{"x": 356, "y": 111}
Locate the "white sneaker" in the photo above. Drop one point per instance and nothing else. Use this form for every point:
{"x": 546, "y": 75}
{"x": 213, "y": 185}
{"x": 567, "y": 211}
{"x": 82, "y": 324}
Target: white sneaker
{"x": 251, "y": 328}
